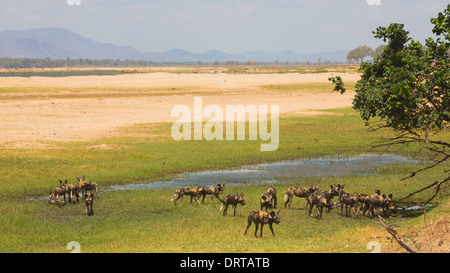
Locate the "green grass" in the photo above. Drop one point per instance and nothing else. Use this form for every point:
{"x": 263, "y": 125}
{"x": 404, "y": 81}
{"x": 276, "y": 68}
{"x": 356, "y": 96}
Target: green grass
{"x": 139, "y": 158}
{"x": 145, "y": 220}
{"x": 304, "y": 87}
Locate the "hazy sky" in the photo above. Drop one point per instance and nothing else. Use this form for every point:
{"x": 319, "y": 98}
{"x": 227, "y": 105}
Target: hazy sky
{"x": 233, "y": 26}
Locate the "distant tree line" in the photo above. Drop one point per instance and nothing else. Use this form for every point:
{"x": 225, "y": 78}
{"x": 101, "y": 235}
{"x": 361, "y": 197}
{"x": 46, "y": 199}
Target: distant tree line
{"x": 13, "y": 63}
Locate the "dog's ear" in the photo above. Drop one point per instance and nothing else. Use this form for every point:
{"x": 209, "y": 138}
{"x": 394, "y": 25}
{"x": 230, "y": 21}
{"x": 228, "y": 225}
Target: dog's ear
{"x": 65, "y": 181}
{"x": 390, "y": 196}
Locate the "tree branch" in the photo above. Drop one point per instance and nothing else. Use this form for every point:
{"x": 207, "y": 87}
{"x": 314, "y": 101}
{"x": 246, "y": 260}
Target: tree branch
{"x": 396, "y": 236}
{"x": 436, "y": 185}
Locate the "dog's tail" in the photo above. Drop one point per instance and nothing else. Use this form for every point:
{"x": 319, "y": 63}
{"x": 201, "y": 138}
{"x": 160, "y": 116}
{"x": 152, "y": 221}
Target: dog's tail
{"x": 173, "y": 197}
{"x": 286, "y": 195}
{"x": 221, "y": 206}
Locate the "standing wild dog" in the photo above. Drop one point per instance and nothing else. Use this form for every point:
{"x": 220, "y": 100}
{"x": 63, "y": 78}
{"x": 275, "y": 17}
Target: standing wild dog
{"x": 380, "y": 200}
{"x": 61, "y": 189}
{"x": 233, "y": 200}
{"x": 348, "y": 200}
{"x": 82, "y": 184}
{"x": 320, "y": 201}
{"x": 360, "y": 198}
{"x": 266, "y": 201}
{"x": 262, "y": 217}
{"x": 91, "y": 186}
{"x": 180, "y": 193}
{"x": 299, "y": 192}
{"x": 273, "y": 192}
{"x": 214, "y": 191}
{"x": 73, "y": 191}
{"x": 89, "y": 201}
{"x": 328, "y": 194}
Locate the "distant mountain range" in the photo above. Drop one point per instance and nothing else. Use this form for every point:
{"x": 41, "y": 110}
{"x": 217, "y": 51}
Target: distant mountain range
{"x": 59, "y": 43}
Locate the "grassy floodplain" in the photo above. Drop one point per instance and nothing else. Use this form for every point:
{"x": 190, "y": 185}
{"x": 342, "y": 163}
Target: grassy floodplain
{"x": 145, "y": 220}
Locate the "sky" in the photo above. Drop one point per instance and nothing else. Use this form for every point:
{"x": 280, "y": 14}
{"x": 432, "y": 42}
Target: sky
{"x": 232, "y": 26}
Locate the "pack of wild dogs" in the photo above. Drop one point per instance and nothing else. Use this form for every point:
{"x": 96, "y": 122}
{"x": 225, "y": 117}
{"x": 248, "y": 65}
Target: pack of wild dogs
{"x": 369, "y": 204}
{"x": 75, "y": 190}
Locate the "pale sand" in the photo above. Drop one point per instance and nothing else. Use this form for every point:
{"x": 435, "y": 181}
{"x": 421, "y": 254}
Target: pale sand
{"x": 77, "y": 119}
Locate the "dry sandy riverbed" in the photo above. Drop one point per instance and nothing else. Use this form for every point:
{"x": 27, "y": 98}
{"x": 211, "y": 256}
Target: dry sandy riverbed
{"x": 26, "y": 120}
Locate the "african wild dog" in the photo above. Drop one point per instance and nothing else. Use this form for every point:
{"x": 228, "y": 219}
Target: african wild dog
{"x": 272, "y": 191}
{"x": 91, "y": 186}
{"x": 89, "y": 201}
{"x": 320, "y": 201}
{"x": 299, "y": 192}
{"x": 380, "y": 200}
{"x": 348, "y": 200}
{"x": 214, "y": 191}
{"x": 61, "y": 189}
{"x": 328, "y": 194}
{"x": 82, "y": 184}
{"x": 55, "y": 199}
{"x": 180, "y": 193}
{"x": 52, "y": 198}
{"x": 360, "y": 197}
{"x": 266, "y": 201}
{"x": 233, "y": 200}
{"x": 73, "y": 190}
{"x": 262, "y": 217}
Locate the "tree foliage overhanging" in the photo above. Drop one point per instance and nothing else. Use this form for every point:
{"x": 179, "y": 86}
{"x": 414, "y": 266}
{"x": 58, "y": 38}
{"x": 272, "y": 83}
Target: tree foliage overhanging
{"x": 407, "y": 86}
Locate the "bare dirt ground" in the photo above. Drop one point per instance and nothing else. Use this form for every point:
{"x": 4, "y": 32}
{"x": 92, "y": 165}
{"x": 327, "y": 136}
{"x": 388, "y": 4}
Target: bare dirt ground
{"x": 26, "y": 120}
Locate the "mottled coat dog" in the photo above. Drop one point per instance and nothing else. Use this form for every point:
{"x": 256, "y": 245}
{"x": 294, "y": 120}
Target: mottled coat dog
{"x": 320, "y": 201}
{"x": 299, "y": 192}
{"x": 214, "y": 191}
{"x": 91, "y": 187}
{"x": 262, "y": 217}
{"x": 89, "y": 201}
{"x": 328, "y": 194}
{"x": 55, "y": 199}
{"x": 61, "y": 189}
{"x": 266, "y": 201}
{"x": 378, "y": 200}
{"x": 233, "y": 200}
{"x": 348, "y": 200}
{"x": 269, "y": 198}
{"x": 180, "y": 193}
{"x": 72, "y": 190}
{"x": 82, "y": 183}
{"x": 273, "y": 192}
